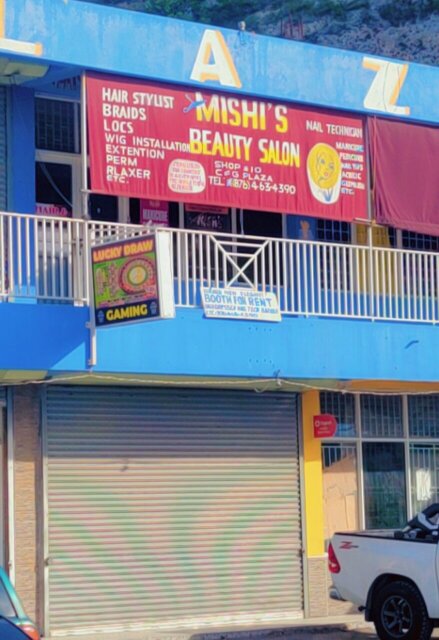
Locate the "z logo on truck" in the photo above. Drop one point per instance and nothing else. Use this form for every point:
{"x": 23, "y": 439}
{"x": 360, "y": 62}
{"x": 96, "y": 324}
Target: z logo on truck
{"x": 348, "y": 545}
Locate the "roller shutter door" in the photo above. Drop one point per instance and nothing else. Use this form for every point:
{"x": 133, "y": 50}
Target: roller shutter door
{"x": 171, "y": 508}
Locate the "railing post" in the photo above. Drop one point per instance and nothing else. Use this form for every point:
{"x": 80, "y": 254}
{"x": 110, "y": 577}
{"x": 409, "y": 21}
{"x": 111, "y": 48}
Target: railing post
{"x": 371, "y": 271}
{"x": 84, "y": 150}
{"x": 88, "y": 285}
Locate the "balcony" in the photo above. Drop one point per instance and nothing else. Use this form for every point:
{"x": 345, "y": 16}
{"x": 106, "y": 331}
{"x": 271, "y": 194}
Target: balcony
{"x": 46, "y": 260}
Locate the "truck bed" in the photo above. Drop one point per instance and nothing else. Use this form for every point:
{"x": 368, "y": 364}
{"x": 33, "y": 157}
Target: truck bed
{"x": 386, "y": 534}
{"x": 366, "y": 556}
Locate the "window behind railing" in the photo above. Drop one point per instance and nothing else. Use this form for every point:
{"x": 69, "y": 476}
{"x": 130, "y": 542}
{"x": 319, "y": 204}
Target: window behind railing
{"x": 335, "y": 271}
{"x": 57, "y": 125}
{"x": 333, "y": 231}
{"x": 419, "y": 241}
{"x": 420, "y": 273}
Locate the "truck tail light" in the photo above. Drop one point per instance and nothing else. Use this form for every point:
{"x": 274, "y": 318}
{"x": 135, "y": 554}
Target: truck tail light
{"x": 30, "y": 631}
{"x": 333, "y": 563}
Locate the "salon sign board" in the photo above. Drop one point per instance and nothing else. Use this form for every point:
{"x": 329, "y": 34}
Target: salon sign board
{"x": 169, "y": 143}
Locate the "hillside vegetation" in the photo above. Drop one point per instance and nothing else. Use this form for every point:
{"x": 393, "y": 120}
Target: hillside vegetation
{"x": 407, "y": 29}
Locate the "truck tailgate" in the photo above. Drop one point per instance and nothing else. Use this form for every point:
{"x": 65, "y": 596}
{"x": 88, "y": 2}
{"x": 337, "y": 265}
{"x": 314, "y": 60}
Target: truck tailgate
{"x": 363, "y": 557}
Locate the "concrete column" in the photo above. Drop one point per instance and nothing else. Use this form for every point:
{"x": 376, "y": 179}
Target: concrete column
{"x": 28, "y": 502}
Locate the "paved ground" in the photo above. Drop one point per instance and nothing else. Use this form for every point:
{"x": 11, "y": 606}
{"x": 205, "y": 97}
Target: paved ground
{"x": 308, "y": 632}
{"x": 355, "y": 631}
{"x": 335, "y": 632}
{"x": 332, "y": 633}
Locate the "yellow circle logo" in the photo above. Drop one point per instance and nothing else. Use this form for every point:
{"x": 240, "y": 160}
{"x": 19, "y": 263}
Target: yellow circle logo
{"x": 324, "y": 172}
{"x": 137, "y": 275}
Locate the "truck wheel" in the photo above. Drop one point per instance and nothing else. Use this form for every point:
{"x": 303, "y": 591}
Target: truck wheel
{"x": 399, "y": 613}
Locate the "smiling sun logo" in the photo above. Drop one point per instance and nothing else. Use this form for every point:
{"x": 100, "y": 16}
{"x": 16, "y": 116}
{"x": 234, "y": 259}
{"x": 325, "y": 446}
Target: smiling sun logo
{"x": 323, "y": 167}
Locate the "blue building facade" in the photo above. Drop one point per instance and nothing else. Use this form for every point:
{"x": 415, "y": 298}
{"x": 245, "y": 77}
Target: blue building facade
{"x": 167, "y": 475}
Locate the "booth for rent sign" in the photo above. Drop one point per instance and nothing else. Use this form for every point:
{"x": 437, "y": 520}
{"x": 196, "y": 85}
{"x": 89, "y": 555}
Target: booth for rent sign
{"x": 240, "y": 304}
{"x": 169, "y": 143}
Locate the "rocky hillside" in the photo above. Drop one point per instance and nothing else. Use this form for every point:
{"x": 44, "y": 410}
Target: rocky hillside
{"x": 407, "y": 29}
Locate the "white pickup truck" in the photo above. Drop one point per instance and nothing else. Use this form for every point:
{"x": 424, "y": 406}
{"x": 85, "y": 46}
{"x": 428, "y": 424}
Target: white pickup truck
{"x": 392, "y": 576}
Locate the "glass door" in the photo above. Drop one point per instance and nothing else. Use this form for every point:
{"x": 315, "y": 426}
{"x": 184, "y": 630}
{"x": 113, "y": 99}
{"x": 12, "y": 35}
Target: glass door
{"x": 54, "y": 189}
{"x": 58, "y": 184}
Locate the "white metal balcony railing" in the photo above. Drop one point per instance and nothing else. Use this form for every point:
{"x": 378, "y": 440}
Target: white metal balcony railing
{"x": 47, "y": 260}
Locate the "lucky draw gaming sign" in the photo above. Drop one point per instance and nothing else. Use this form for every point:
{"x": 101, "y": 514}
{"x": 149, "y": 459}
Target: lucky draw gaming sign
{"x": 163, "y": 142}
{"x": 126, "y": 281}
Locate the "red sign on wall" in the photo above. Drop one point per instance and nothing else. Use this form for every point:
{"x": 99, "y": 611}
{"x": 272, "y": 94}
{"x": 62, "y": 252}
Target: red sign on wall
{"x": 154, "y": 211}
{"x": 56, "y": 210}
{"x": 163, "y": 142}
{"x": 325, "y": 426}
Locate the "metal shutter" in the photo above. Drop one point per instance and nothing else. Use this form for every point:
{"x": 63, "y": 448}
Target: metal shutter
{"x": 171, "y": 507}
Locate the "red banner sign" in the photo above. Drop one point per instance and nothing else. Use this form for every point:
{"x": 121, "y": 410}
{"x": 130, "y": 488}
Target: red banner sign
{"x": 325, "y": 426}
{"x": 162, "y": 142}
{"x": 405, "y": 175}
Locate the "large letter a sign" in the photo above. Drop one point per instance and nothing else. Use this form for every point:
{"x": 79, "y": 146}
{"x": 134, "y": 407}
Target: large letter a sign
{"x": 214, "y": 62}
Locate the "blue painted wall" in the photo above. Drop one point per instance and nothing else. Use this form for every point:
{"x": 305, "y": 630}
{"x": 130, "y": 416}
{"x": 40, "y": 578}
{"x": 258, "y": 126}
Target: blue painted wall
{"x": 128, "y": 43}
{"x": 55, "y": 338}
{"x": 21, "y": 156}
